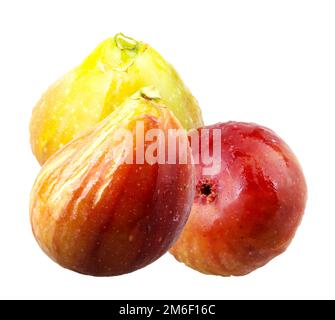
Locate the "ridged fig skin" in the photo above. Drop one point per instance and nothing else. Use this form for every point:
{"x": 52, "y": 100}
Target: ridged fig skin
{"x": 114, "y": 71}
{"x": 98, "y": 217}
{"x": 258, "y": 201}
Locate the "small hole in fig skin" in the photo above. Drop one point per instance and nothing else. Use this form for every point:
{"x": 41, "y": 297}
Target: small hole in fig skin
{"x": 206, "y": 190}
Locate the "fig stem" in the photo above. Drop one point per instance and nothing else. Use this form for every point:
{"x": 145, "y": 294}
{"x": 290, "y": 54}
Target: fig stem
{"x": 125, "y": 43}
{"x": 150, "y": 93}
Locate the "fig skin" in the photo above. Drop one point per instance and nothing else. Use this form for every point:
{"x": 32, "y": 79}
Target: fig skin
{"x": 99, "y": 217}
{"x": 247, "y": 213}
{"x": 115, "y": 70}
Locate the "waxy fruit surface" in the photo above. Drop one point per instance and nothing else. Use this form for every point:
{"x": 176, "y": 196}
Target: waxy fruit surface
{"x": 94, "y": 214}
{"x": 248, "y": 212}
{"x": 115, "y": 70}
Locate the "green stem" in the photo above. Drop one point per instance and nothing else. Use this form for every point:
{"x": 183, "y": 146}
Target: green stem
{"x": 125, "y": 43}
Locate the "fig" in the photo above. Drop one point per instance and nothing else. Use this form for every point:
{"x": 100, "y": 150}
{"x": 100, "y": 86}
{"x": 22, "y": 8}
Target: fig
{"x": 247, "y": 210}
{"x": 115, "y": 70}
{"x": 94, "y": 212}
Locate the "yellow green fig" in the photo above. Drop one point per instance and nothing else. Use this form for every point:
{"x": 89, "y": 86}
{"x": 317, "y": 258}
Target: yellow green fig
{"x": 83, "y": 97}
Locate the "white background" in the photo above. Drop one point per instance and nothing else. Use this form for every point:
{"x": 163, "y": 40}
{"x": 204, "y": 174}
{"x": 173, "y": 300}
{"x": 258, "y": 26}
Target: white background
{"x": 270, "y": 62}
